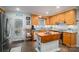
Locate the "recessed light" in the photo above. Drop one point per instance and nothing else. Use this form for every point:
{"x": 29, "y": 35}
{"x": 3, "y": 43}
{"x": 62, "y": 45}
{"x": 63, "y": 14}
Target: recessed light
{"x": 40, "y": 16}
{"x": 18, "y": 9}
{"x": 46, "y": 12}
{"x": 71, "y": 12}
{"x": 57, "y": 7}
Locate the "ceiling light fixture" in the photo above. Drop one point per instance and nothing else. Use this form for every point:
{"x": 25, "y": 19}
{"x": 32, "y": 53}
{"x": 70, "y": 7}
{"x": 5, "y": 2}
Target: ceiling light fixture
{"x": 40, "y": 16}
{"x": 46, "y": 12}
{"x": 18, "y": 9}
{"x": 58, "y": 7}
{"x": 71, "y": 12}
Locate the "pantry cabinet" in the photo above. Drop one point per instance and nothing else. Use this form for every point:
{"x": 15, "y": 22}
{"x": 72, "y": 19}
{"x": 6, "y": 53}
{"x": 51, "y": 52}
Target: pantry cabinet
{"x": 69, "y": 39}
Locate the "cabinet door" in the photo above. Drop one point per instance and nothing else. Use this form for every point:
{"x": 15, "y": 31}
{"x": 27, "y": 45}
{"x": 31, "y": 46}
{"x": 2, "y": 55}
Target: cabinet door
{"x": 35, "y": 20}
{"x": 70, "y": 17}
{"x": 61, "y": 17}
{"x": 55, "y": 20}
{"x": 51, "y": 20}
{"x": 58, "y": 18}
{"x": 66, "y": 39}
{"x": 73, "y": 40}
{"x": 47, "y": 21}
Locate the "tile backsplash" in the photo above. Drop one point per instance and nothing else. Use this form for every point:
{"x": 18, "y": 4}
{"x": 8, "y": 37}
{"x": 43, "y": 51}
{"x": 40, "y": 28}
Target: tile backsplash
{"x": 57, "y": 27}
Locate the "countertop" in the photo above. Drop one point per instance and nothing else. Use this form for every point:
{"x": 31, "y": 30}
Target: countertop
{"x": 70, "y": 31}
{"x": 47, "y": 34}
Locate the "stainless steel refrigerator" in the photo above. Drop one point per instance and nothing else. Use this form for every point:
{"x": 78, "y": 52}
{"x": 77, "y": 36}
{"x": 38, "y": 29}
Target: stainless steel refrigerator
{"x": 4, "y": 44}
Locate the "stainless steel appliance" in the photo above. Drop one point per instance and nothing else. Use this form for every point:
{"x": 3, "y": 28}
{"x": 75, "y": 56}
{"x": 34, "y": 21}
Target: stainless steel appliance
{"x": 4, "y": 43}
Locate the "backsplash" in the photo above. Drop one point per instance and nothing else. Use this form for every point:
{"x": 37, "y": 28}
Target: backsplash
{"x": 57, "y": 27}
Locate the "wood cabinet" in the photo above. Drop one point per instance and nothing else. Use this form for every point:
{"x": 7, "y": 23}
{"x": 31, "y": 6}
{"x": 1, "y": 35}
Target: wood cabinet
{"x": 35, "y": 20}
{"x": 69, "y": 39}
{"x": 66, "y": 38}
{"x": 70, "y": 17}
{"x": 53, "y": 20}
{"x": 60, "y": 17}
{"x": 56, "y": 19}
{"x": 73, "y": 40}
{"x": 47, "y": 21}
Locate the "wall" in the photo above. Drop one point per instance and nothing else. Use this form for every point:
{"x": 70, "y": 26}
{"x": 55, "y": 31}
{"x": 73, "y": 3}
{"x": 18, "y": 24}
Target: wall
{"x": 12, "y": 16}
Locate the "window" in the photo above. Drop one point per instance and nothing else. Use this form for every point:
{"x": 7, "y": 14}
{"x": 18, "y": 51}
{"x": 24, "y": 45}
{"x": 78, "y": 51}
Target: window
{"x": 41, "y": 22}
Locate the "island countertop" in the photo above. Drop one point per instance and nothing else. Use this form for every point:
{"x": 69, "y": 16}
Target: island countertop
{"x": 47, "y": 37}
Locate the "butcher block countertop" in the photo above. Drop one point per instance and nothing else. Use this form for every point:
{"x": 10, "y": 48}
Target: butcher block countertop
{"x": 48, "y": 36}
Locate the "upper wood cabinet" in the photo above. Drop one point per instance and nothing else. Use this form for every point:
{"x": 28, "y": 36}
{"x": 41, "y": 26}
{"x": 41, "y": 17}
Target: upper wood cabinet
{"x": 61, "y": 17}
{"x": 56, "y": 20}
{"x": 53, "y": 20}
{"x": 47, "y": 21}
{"x": 70, "y": 17}
{"x": 35, "y": 20}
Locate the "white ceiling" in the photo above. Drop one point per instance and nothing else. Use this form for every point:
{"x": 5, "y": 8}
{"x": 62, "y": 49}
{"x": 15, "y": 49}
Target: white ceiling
{"x": 39, "y": 10}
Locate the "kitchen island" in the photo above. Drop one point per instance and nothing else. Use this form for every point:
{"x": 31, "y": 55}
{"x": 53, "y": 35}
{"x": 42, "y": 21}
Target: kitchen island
{"x": 47, "y": 41}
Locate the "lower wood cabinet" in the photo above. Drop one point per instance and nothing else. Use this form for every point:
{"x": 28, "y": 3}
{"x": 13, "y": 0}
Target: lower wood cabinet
{"x": 69, "y": 39}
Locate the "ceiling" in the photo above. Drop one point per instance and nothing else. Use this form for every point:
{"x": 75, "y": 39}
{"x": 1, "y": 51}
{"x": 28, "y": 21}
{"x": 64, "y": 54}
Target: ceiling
{"x": 38, "y": 10}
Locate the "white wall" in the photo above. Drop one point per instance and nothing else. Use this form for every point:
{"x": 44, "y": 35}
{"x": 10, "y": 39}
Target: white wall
{"x": 12, "y": 16}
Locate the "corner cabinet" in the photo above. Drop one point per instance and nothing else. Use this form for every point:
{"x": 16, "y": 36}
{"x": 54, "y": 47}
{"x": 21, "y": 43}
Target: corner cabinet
{"x": 69, "y": 39}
